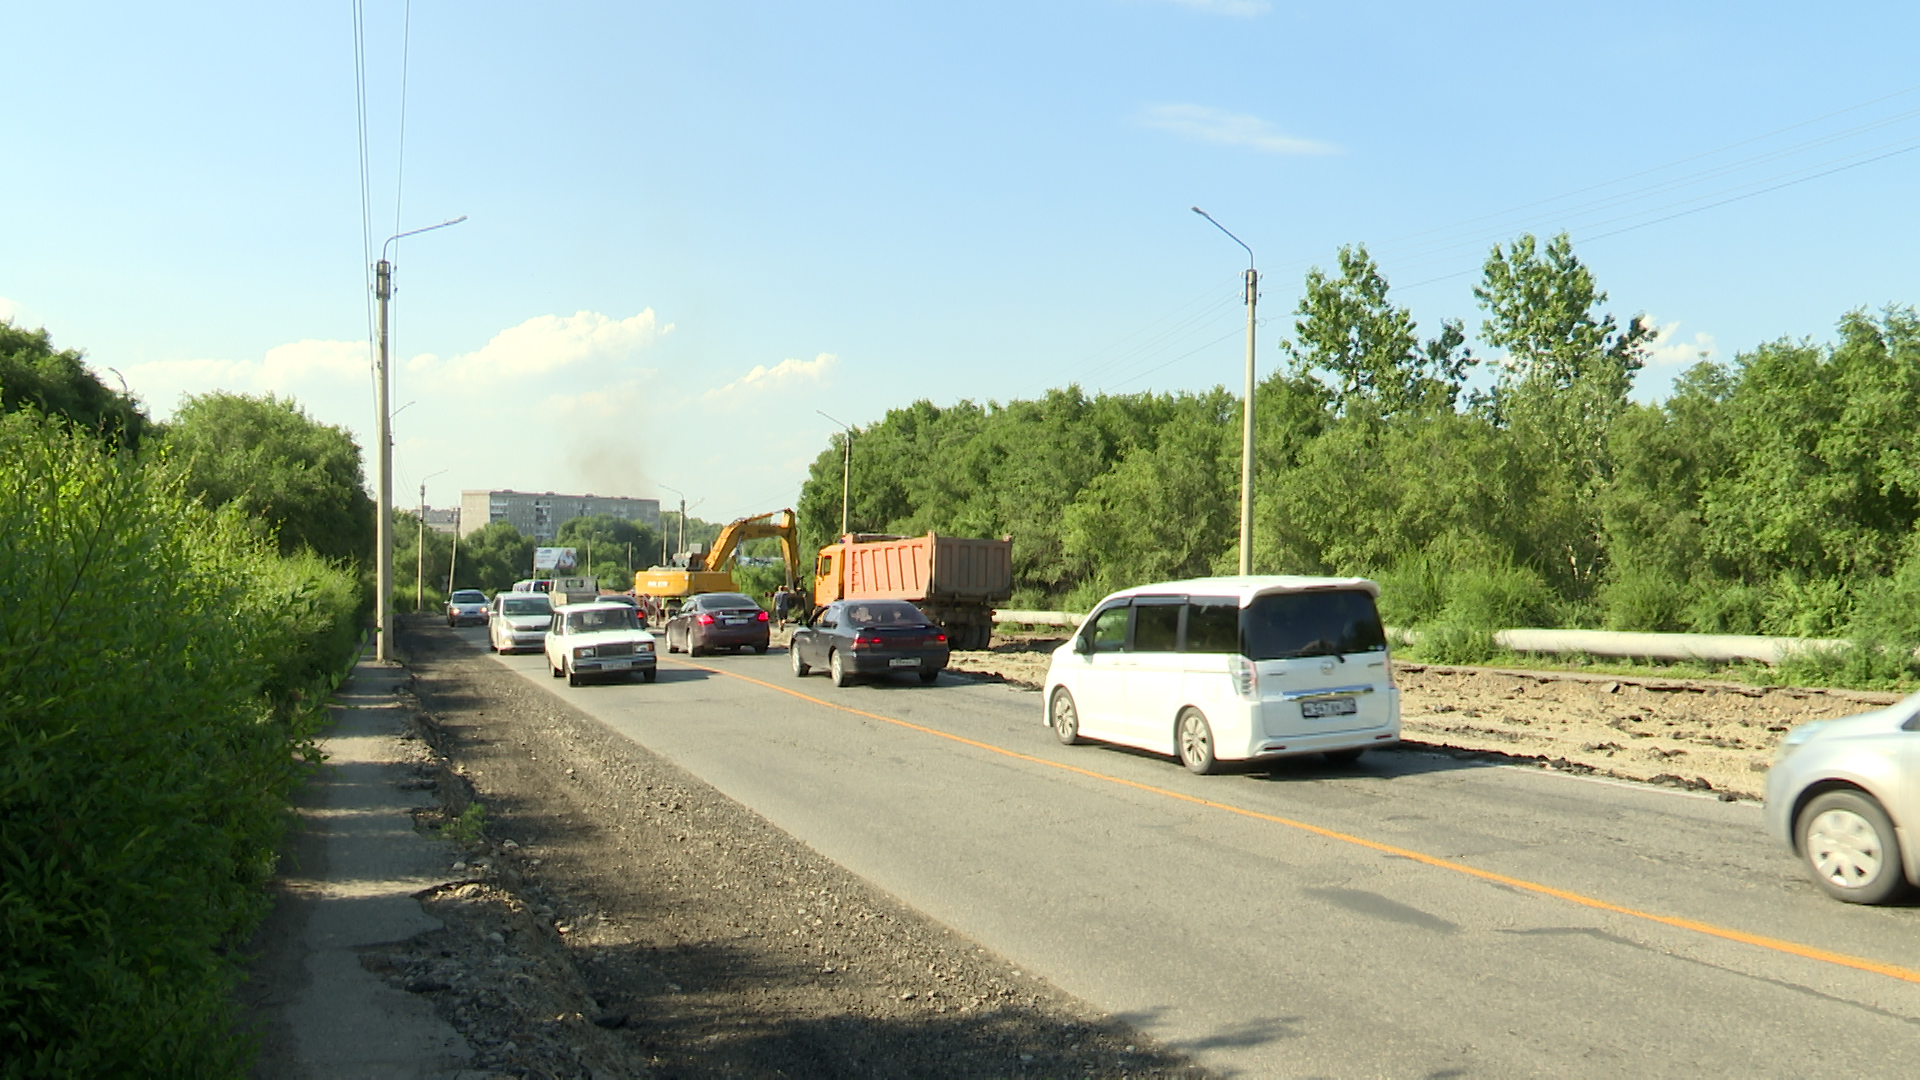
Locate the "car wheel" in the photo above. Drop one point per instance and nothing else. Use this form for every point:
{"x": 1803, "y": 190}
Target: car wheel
{"x": 573, "y": 677}
{"x": 1344, "y": 757}
{"x": 650, "y": 674}
{"x": 554, "y": 669}
{"x": 1850, "y": 846}
{"x": 928, "y": 677}
{"x": 837, "y": 669}
{"x": 760, "y": 650}
{"x": 1064, "y": 717}
{"x": 800, "y": 667}
{"x": 1193, "y": 737}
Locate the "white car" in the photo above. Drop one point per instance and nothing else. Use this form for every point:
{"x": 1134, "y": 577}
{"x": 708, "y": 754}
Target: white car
{"x": 519, "y": 620}
{"x": 1845, "y": 796}
{"x": 599, "y": 639}
{"x": 1230, "y": 669}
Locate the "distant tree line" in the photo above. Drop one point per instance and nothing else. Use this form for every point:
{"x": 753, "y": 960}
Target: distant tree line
{"x": 1776, "y": 493}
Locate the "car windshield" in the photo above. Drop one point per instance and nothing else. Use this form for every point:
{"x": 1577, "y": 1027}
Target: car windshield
{"x": 587, "y": 622}
{"x": 726, "y": 600}
{"x": 1330, "y": 622}
{"x": 531, "y": 604}
{"x": 885, "y": 613}
{"x": 469, "y": 596}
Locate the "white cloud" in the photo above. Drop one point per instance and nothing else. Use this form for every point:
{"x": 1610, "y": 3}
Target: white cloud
{"x": 1243, "y": 9}
{"x": 1229, "y": 129}
{"x": 783, "y": 375}
{"x": 545, "y": 344}
{"x": 1666, "y": 350}
{"x": 10, "y": 309}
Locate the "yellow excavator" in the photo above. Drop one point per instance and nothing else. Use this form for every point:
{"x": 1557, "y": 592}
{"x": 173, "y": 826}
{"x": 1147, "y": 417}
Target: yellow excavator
{"x": 712, "y": 571}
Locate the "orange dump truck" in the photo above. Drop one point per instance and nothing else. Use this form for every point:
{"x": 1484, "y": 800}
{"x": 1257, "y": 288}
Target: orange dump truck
{"x": 956, "y": 581}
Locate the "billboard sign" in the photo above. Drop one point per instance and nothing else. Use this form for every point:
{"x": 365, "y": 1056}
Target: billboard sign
{"x": 553, "y": 559}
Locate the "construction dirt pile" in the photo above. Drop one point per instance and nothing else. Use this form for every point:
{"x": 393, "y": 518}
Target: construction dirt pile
{"x": 1707, "y": 736}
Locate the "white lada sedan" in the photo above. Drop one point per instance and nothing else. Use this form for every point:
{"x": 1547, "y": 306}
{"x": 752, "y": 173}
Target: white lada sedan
{"x": 599, "y": 639}
{"x": 1230, "y": 669}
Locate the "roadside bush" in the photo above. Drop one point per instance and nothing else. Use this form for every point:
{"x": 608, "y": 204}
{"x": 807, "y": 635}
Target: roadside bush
{"x": 1643, "y": 598}
{"x": 1413, "y": 592}
{"x": 160, "y": 668}
{"x": 1495, "y": 596}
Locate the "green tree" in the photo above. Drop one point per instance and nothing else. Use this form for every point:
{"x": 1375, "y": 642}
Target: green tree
{"x": 34, "y": 375}
{"x": 1348, "y": 328}
{"x": 299, "y": 479}
{"x": 493, "y": 557}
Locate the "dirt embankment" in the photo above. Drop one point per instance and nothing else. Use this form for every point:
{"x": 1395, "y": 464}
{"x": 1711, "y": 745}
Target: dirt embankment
{"x": 1701, "y": 735}
{"x": 619, "y": 917}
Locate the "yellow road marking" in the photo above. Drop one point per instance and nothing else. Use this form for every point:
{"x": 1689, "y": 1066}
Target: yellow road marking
{"x": 1808, "y": 952}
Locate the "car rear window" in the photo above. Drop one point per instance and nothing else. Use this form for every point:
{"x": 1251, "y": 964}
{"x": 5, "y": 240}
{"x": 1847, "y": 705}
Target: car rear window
{"x": 468, "y": 596}
{"x": 885, "y": 613}
{"x": 1329, "y": 622}
{"x": 725, "y": 600}
{"x": 531, "y": 604}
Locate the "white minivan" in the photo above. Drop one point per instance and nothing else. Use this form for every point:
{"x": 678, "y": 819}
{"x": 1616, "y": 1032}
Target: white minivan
{"x": 1230, "y": 669}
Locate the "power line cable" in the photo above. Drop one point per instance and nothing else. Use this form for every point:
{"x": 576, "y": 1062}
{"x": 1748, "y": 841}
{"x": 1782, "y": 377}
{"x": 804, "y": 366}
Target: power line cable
{"x": 366, "y": 186}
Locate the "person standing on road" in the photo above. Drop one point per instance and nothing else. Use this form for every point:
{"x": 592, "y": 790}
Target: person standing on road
{"x": 782, "y": 604}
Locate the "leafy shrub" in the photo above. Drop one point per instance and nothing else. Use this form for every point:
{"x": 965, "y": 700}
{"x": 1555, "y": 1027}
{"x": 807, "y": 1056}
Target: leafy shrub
{"x": 1643, "y": 598}
{"x": 160, "y": 668}
{"x": 1495, "y": 596}
{"x": 1414, "y": 591}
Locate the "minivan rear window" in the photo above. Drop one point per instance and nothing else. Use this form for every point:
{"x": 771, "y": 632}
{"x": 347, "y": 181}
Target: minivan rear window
{"x": 1213, "y": 625}
{"x": 1329, "y": 622}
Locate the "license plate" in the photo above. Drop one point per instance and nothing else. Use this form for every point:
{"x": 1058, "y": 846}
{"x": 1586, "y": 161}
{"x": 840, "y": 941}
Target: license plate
{"x": 1340, "y": 706}
{"x": 905, "y": 661}
{"x": 616, "y": 663}
{"x": 731, "y": 622}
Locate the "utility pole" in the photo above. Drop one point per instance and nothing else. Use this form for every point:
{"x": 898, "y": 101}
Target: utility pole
{"x": 383, "y": 495}
{"x": 383, "y": 434}
{"x": 846, "y": 469}
{"x": 1246, "y": 411}
{"x": 420, "y": 556}
{"x": 664, "y": 561}
{"x": 454, "y": 560}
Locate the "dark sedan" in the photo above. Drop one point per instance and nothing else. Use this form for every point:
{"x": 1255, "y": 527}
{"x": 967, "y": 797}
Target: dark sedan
{"x": 718, "y": 621}
{"x": 869, "y": 637}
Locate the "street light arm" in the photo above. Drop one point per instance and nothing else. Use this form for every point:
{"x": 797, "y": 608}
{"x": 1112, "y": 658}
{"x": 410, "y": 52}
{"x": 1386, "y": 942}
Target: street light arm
{"x": 1230, "y": 235}
{"x": 417, "y": 232}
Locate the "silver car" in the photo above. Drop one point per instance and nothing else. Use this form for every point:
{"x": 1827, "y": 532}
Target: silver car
{"x": 1845, "y": 795}
{"x": 519, "y": 621}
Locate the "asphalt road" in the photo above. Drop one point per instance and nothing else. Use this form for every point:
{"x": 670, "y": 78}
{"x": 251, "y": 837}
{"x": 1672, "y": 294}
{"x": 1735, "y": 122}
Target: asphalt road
{"x": 1246, "y": 920}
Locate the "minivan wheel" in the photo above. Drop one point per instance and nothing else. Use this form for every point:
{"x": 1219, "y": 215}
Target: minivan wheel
{"x": 1194, "y": 738}
{"x": 1066, "y": 718}
{"x": 837, "y": 669}
{"x": 1850, "y": 847}
{"x": 1344, "y": 757}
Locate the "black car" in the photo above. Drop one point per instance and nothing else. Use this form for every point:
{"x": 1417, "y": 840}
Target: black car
{"x": 719, "y": 621}
{"x": 869, "y": 637}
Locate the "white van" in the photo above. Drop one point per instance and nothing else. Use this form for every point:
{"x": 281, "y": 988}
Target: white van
{"x": 1230, "y": 669}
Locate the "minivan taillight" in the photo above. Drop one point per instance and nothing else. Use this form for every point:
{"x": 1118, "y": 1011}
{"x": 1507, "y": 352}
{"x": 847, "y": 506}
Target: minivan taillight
{"x": 1246, "y": 677}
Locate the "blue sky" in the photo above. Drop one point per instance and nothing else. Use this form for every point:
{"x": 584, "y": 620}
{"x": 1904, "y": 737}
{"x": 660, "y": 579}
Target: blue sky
{"x": 691, "y": 226}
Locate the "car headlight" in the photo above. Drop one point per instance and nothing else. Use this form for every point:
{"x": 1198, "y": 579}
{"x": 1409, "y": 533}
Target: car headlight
{"x": 584, "y": 652}
{"x": 643, "y": 647}
{"x": 1798, "y": 736}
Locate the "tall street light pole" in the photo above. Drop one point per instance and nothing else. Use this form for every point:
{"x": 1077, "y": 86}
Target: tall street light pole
{"x": 846, "y": 469}
{"x": 383, "y": 434}
{"x": 1246, "y": 411}
{"x": 683, "y": 525}
{"x": 420, "y": 549}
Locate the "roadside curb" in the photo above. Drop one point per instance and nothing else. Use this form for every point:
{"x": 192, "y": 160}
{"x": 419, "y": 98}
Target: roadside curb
{"x": 351, "y": 869}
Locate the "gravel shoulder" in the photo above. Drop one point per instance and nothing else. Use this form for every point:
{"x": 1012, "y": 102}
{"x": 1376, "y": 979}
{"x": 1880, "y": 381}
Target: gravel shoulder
{"x": 1695, "y": 734}
{"x": 615, "y": 916}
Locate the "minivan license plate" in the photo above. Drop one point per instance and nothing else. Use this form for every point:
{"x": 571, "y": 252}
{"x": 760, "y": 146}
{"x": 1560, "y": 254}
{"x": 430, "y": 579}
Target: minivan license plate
{"x": 1340, "y": 706}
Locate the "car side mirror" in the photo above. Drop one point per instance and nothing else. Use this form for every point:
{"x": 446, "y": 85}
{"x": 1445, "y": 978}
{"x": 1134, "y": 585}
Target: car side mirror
{"x": 1083, "y": 644}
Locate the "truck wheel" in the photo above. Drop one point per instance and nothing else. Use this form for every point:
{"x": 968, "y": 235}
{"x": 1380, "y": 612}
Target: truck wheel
{"x": 838, "y": 670}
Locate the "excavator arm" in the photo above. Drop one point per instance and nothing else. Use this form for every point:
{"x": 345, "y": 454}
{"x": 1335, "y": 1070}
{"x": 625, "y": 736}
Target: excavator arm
{"x": 776, "y": 523}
